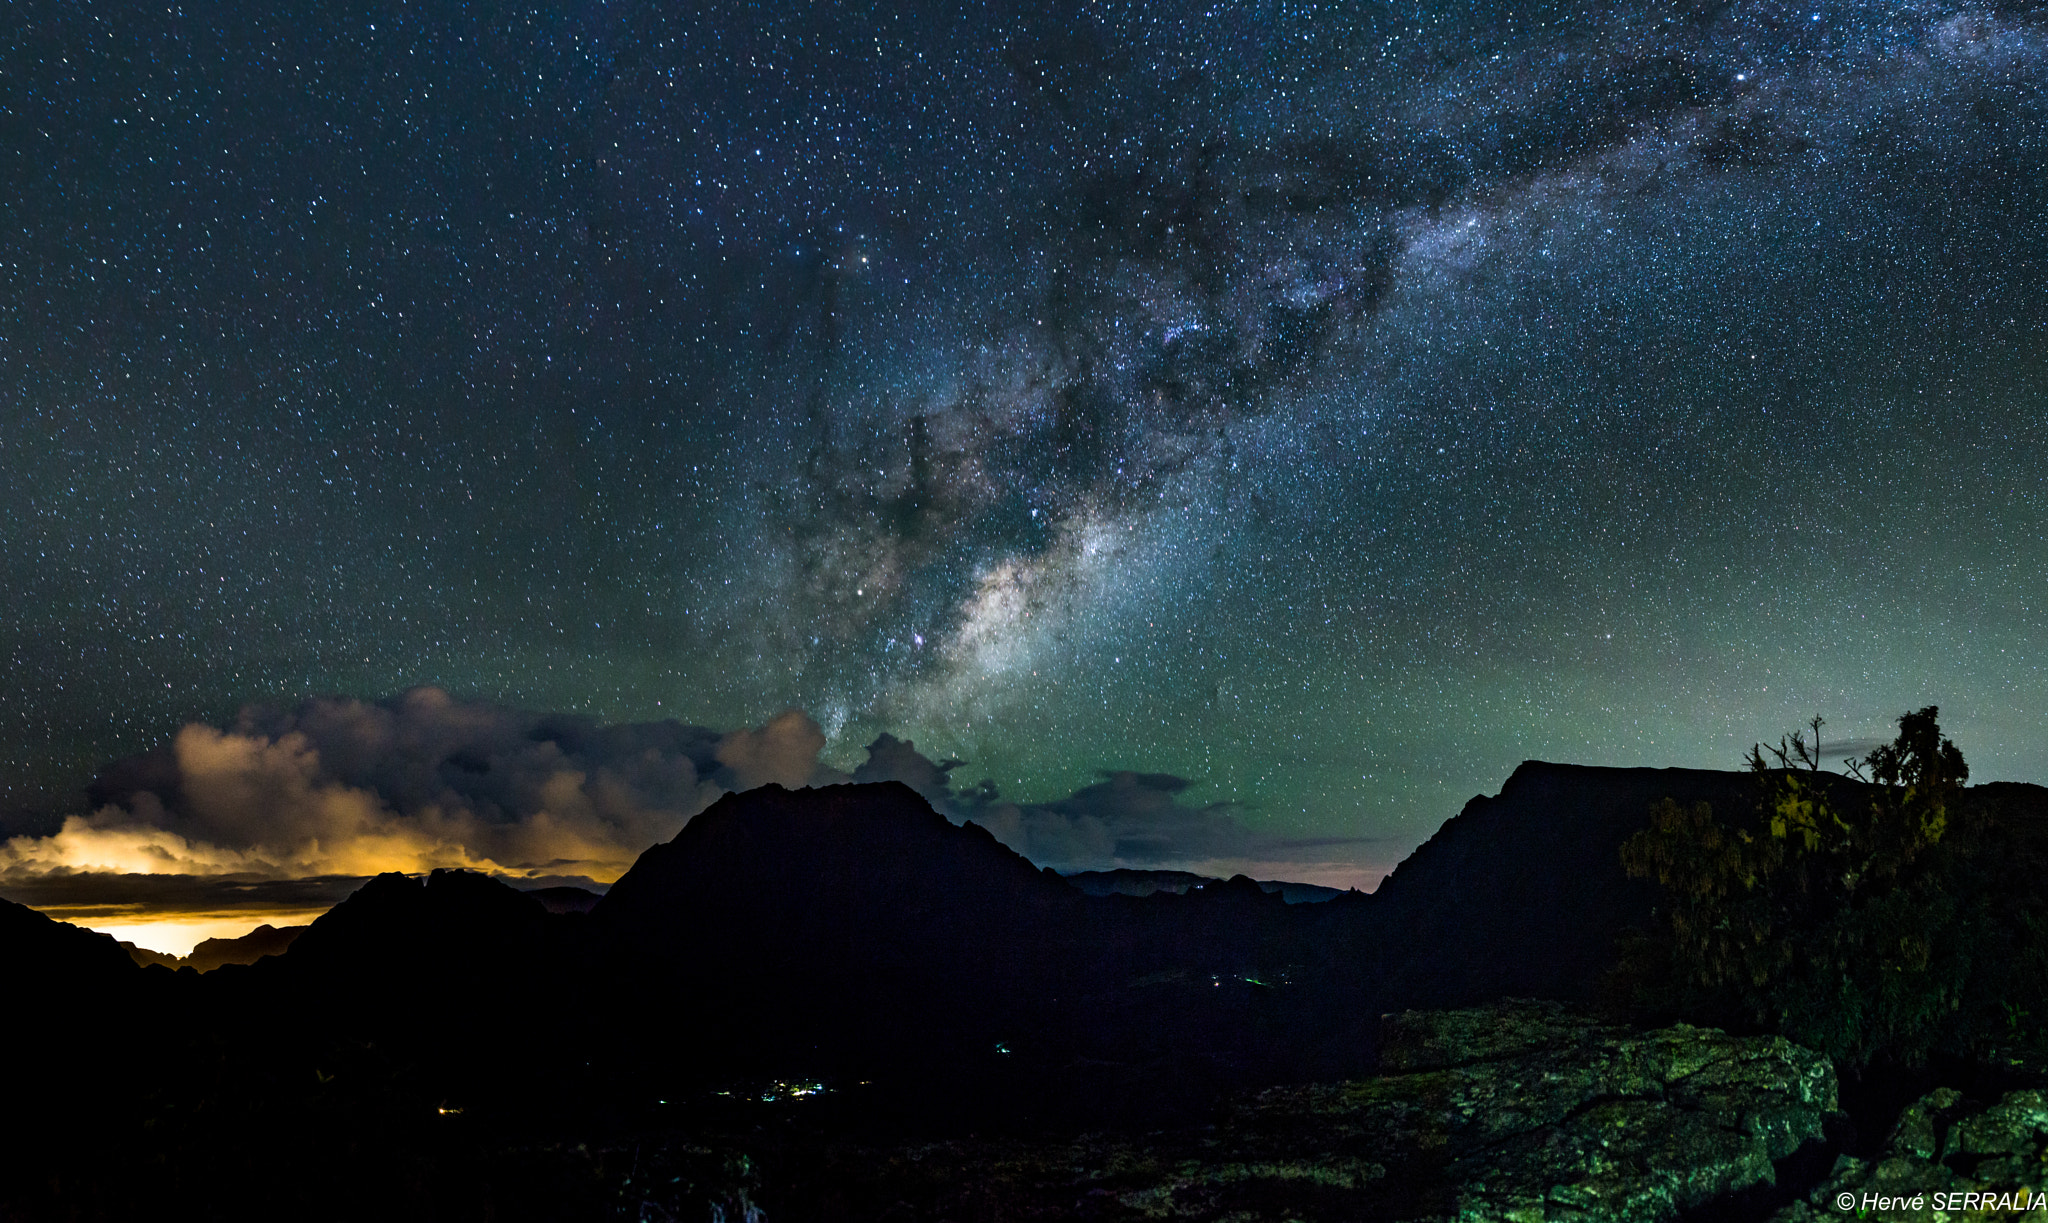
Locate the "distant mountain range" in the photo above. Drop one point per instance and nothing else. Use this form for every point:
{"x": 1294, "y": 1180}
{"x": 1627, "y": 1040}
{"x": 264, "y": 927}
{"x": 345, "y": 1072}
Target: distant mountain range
{"x": 1128, "y": 882}
{"x": 265, "y": 940}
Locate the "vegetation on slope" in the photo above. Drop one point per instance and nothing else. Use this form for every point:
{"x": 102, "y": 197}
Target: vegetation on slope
{"x": 1889, "y": 915}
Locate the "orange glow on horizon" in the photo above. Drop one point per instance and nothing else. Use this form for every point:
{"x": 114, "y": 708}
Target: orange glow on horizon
{"x": 90, "y": 845}
{"x": 267, "y": 808}
{"x": 174, "y": 933}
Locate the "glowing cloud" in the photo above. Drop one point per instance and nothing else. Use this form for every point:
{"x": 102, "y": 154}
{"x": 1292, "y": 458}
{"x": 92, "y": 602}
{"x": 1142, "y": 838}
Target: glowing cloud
{"x": 783, "y": 752}
{"x": 339, "y": 787}
{"x": 110, "y": 842}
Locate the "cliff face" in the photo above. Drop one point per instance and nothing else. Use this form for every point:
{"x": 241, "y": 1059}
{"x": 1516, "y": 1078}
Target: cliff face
{"x": 1523, "y": 894}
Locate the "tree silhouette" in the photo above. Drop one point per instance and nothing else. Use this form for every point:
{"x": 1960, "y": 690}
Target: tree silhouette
{"x": 1833, "y": 912}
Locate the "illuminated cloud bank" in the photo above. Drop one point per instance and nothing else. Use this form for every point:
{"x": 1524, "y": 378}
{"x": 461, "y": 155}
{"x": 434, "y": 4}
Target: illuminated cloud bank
{"x": 339, "y": 789}
{"x": 347, "y": 787}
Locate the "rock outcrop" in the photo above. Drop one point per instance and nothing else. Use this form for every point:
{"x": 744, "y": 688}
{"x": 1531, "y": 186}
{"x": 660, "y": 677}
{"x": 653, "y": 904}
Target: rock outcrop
{"x": 1524, "y": 1111}
{"x": 1945, "y": 1159}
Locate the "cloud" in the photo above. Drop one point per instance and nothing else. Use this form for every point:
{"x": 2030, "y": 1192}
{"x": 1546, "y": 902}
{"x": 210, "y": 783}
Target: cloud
{"x": 96, "y": 894}
{"x": 893, "y": 759}
{"x": 784, "y": 752}
{"x": 1128, "y": 819}
{"x": 113, "y": 842}
{"x": 350, "y": 788}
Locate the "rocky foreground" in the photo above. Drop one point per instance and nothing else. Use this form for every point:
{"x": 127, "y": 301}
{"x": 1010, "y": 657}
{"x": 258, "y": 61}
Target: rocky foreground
{"x": 1946, "y": 1159}
{"x": 1519, "y": 1112}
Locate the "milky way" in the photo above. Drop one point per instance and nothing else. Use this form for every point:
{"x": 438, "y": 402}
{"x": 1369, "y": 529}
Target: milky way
{"x": 1330, "y": 404}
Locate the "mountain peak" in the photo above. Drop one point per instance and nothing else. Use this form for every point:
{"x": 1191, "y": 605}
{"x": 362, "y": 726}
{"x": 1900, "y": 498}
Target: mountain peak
{"x": 879, "y": 845}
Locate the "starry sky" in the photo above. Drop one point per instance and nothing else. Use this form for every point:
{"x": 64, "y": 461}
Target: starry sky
{"x": 1327, "y": 406}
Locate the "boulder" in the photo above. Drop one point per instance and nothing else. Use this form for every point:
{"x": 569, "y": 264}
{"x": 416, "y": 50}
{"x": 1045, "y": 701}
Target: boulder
{"x": 1525, "y": 1110}
{"x": 1946, "y": 1158}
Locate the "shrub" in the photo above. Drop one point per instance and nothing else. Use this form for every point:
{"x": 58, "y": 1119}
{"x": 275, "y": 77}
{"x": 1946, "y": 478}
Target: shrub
{"x": 1840, "y": 912}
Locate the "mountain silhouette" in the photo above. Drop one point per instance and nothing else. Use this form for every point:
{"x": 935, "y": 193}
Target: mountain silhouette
{"x": 840, "y": 931}
{"x": 854, "y": 932}
{"x": 61, "y": 971}
{"x": 264, "y": 940}
{"x": 455, "y": 968}
{"x": 74, "y": 999}
{"x": 209, "y": 954}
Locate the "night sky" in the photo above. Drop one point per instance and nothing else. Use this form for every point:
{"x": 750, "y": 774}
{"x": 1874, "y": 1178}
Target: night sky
{"x": 1331, "y": 405}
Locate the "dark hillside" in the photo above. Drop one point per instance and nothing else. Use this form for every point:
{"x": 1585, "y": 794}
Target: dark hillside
{"x": 1522, "y": 894}
{"x": 854, "y": 932}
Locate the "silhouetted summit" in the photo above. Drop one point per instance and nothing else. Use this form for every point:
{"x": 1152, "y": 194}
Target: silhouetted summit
{"x": 878, "y": 849}
{"x": 446, "y": 957}
{"x": 451, "y": 922}
{"x": 852, "y": 920}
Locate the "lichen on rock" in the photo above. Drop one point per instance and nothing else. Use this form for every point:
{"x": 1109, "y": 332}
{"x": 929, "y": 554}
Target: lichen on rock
{"x": 1946, "y": 1158}
{"x": 1532, "y": 1112}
